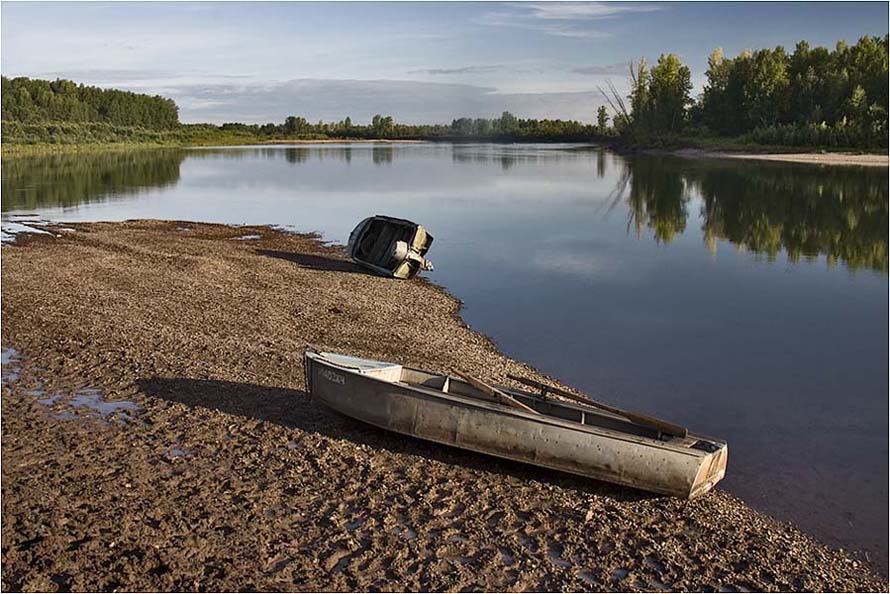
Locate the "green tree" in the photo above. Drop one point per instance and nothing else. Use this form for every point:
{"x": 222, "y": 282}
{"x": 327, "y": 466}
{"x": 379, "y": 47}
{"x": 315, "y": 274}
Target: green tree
{"x": 507, "y": 123}
{"x": 639, "y": 96}
{"x": 602, "y": 119}
{"x": 669, "y": 85}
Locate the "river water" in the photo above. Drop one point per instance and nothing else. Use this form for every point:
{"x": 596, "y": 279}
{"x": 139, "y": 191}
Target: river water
{"x": 748, "y": 300}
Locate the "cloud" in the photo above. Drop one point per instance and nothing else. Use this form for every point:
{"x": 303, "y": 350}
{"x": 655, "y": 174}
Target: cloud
{"x": 583, "y": 10}
{"x": 462, "y": 70}
{"x": 562, "y": 19}
{"x": 618, "y": 68}
{"x": 411, "y": 102}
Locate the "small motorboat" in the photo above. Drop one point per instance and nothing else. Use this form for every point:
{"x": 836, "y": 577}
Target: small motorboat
{"x": 582, "y": 437}
{"x": 390, "y": 247}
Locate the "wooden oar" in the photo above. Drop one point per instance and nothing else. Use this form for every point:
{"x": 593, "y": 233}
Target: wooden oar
{"x": 498, "y": 395}
{"x": 642, "y": 420}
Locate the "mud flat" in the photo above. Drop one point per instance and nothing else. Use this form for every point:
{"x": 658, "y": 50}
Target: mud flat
{"x": 157, "y": 436}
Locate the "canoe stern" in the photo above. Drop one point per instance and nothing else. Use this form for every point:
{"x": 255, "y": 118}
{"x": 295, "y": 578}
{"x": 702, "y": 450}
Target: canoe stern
{"x": 712, "y": 471}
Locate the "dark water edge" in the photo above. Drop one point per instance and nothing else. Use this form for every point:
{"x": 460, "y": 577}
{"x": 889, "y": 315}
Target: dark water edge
{"x": 747, "y": 300}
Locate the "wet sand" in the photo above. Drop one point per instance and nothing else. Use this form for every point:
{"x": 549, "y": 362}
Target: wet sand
{"x": 215, "y": 471}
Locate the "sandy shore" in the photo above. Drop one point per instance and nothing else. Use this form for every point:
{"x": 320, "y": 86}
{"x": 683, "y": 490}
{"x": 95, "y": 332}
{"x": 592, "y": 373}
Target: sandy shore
{"x": 157, "y": 436}
{"x": 813, "y": 158}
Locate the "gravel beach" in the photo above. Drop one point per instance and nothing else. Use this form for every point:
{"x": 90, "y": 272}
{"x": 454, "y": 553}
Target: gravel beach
{"x": 156, "y": 435}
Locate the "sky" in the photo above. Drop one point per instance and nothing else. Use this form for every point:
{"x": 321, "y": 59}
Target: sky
{"x": 421, "y": 62}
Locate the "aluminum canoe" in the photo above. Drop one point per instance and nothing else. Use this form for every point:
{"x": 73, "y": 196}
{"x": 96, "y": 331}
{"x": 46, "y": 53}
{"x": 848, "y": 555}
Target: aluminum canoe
{"x": 565, "y": 436}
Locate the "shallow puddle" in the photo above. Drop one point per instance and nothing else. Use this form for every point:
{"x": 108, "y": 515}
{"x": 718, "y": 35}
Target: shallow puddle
{"x": 93, "y": 399}
{"x": 11, "y": 366}
{"x": 87, "y": 403}
{"x": 10, "y": 229}
{"x": 46, "y": 401}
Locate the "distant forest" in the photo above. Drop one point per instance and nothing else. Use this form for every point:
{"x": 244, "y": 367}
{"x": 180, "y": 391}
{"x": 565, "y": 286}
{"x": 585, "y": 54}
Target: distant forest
{"x": 507, "y": 127}
{"x": 813, "y": 97}
{"x": 33, "y": 101}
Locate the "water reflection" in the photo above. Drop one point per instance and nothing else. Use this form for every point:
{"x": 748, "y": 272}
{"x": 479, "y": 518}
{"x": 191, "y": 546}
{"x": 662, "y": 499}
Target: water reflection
{"x": 293, "y": 155}
{"x": 840, "y": 213}
{"x": 657, "y": 199}
{"x": 68, "y": 180}
{"x": 382, "y": 154}
{"x": 508, "y": 156}
{"x": 836, "y": 212}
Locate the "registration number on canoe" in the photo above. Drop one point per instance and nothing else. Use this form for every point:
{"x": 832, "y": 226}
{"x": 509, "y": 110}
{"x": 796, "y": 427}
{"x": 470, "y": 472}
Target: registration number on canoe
{"x": 332, "y": 376}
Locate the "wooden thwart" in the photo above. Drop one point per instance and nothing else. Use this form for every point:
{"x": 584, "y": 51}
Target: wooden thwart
{"x": 642, "y": 420}
{"x": 498, "y": 395}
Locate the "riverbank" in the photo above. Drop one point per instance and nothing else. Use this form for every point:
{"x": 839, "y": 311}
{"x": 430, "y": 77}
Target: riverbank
{"x": 816, "y": 158}
{"x": 27, "y": 150}
{"x": 214, "y": 470}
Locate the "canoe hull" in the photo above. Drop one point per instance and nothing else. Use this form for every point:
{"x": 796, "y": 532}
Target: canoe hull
{"x": 524, "y": 437}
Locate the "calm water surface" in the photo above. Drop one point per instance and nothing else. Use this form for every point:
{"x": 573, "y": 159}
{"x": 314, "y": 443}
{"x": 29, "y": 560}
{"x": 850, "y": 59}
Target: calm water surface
{"x": 747, "y": 300}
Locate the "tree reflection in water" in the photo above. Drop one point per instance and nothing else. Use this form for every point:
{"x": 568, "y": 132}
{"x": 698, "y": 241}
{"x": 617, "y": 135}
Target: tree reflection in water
{"x": 807, "y": 211}
{"x": 72, "y": 179}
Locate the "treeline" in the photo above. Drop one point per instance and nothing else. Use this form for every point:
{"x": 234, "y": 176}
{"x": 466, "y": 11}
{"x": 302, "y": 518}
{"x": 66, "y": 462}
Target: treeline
{"x": 298, "y": 127}
{"x": 33, "y": 101}
{"x": 507, "y": 127}
{"x": 811, "y": 97}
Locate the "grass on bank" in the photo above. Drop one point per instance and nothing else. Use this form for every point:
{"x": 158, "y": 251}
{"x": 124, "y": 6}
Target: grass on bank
{"x": 64, "y": 137}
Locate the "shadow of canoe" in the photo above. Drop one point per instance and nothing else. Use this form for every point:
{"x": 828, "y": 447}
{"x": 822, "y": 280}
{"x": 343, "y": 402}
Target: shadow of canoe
{"x": 315, "y": 262}
{"x": 294, "y": 409}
